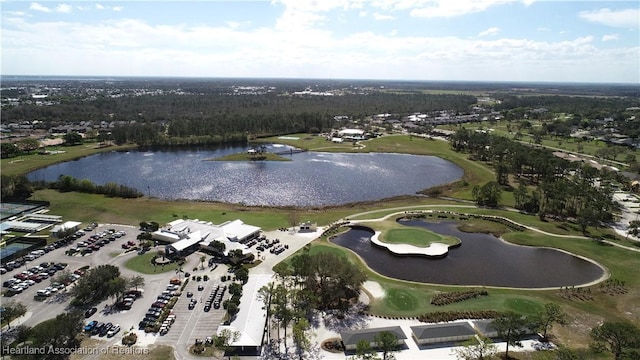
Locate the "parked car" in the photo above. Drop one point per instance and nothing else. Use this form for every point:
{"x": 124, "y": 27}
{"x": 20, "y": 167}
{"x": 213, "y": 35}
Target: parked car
{"x": 90, "y": 312}
{"x": 105, "y": 329}
{"x": 114, "y": 330}
{"x": 90, "y": 325}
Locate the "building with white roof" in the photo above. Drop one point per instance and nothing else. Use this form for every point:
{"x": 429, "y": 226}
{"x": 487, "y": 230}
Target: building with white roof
{"x": 185, "y": 235}
{"x": 250, "y": 322}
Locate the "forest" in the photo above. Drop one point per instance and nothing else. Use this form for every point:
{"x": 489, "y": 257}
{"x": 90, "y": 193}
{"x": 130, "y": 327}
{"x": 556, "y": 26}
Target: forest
{"x": 559, "y": 188}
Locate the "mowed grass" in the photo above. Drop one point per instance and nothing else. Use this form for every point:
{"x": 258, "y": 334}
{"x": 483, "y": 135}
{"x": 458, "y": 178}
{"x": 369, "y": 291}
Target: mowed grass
{"x": 87, "y": 208}
{"x": 142, "y": 264}
{"x": 416, "y": 237}
{"x": 25, "y": 163}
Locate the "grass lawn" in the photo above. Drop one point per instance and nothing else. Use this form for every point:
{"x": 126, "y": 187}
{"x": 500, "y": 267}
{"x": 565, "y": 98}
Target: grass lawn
{"x": 25, "y": 163}
{"x": 416, "y": 237}
{"x": 142, "y": 264}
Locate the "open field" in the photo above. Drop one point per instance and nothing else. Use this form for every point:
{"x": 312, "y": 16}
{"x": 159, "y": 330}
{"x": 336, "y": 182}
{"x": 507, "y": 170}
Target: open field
{"x": 25, "y": 163}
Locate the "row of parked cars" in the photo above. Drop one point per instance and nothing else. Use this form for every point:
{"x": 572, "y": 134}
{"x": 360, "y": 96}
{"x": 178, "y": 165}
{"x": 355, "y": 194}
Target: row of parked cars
{"x": 156, "y": 309}
{"x": 95, "y": 242}
{"x": 215, "y": 297}
{"x": 129, "y": 298}
{"x": 33, "y": 255}
{"x": 36, "y": 274}
{"x": 94, "y": 327}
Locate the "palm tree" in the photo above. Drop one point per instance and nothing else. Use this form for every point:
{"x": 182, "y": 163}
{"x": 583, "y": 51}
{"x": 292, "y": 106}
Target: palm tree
{"x": 203, "y": 258}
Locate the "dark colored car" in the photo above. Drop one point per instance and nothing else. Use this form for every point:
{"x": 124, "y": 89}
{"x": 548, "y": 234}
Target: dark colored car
{"x": 90, "y": 312}
{"x": 105, "y": 329}
{"x": 96, "y": 330}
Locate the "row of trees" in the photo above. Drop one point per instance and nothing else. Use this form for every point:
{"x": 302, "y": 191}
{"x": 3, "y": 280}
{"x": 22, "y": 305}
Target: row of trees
{"x": 66, "y": 183}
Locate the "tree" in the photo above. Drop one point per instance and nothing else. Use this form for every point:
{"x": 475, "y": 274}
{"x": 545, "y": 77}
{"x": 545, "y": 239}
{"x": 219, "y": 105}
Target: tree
{"x": 476, "y": 349}
{"x": 511, "y": 327}
{"x": 388, "y": 343}
{"x": 203, "y": 258}
{"x": 11, "y": 311}
{"x": 218, "y": 246}
{"x": 300, "y": 337}
{"x": 487, "y": 195}
{"x": 136, "y": 281}
{"x": 552, "y": 313}
{"x": 294, "y": 219}
{"x": 265, "y": 294}
{"x": 225, "y": 339}
{"x": 72, "y": 138}
{"x": 617, "y": 337}
{"x": 364, "y": 351}
{"x": 242, "y": 274}
{"x": 28, "y": 144}
{"x": 8, "y": 150}
{"x": 60, "y": 332}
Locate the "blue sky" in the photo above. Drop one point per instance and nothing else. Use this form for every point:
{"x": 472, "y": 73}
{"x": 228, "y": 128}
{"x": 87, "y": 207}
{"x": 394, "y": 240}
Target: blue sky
{"x": 463, "y": 40}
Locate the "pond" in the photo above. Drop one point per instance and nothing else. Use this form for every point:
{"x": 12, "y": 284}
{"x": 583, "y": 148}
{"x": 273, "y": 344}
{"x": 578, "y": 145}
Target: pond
{"x": 310, "y": 179}
{"x": 482, "y": 259}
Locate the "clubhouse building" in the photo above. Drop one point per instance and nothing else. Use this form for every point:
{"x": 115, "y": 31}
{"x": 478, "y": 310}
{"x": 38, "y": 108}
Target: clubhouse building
{"x": 186, "y": 236}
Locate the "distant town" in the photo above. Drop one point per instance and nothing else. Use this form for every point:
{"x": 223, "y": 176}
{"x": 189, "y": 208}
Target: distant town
{"x": 96, "y": 269}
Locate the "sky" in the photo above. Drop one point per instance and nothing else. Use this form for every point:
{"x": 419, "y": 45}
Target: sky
{"x": 457, "y": 40}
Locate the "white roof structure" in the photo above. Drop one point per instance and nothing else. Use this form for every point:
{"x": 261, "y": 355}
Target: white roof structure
{"x": 65, "y": 226}
{"x": 190, "y": 240}
{"x": 250, "y": 320}
{"x": 185, "y": 233}
{"x": 350, "y": 132}
{"x": 25, "y": 226}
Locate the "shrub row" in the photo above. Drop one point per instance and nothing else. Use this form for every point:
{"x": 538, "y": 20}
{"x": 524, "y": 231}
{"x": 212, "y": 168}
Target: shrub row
{"x": 446, "y": 298}
{"x": 445, "y": 316}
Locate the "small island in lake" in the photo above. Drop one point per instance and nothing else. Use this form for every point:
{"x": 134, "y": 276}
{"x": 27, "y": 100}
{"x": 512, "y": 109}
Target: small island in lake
{"x": 253, "y": 154}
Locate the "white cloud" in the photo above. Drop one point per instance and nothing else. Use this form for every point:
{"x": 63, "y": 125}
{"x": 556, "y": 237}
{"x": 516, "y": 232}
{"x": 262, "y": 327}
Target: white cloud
{"x": 100, "y": 7}
{"x": 610, "y": 37}
{"x": 442, "y": 8}
{"x": 379, "y": 16}
{"x": 490, "y": 32}
{"x": 135, "y": 47}
{"x": 117, "y": 8}
{"x": 64, "y": 8}
{"x": 543, "y": 29}
{"x": 15, "y": 13}
{"x": 628, "y": 18}
{"x": 39, "y": 7}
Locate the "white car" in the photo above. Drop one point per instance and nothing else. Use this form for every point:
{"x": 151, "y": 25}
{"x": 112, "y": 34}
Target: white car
{"x": 114, "y": 330}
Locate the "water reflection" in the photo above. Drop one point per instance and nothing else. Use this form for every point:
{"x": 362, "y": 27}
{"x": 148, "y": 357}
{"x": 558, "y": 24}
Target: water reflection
{"x": 311, "y": 179}
{"x": 482, "y": 259}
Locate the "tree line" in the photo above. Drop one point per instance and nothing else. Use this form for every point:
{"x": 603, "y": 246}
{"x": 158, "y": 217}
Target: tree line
{"x": 562, "y": 189}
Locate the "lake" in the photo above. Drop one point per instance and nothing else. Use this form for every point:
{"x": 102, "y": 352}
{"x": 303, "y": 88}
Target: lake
{"x": 481, "y": 259}
{"x": 310, "y": 179}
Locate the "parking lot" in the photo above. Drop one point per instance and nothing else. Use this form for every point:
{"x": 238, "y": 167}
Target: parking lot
{"x": 189, "y": 324}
